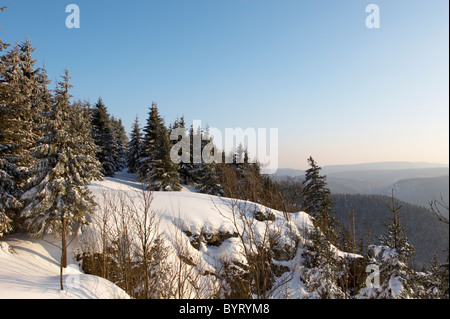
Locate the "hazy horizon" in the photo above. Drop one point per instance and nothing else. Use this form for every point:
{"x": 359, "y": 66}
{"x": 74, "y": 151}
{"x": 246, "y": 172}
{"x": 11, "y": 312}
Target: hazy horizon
{"x": 334, "y": 88}
{"x": 426, "y": 164}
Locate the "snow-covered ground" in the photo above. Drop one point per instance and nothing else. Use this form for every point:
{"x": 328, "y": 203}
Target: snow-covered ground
{"x": 31, "y": 268}
{"x": 191, "y": 211}
{"x": 188, "y": 215}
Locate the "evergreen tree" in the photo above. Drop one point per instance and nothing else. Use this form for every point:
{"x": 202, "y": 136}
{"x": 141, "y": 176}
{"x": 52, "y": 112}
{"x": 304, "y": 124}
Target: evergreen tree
{"x": 9, "y": 194}
{"x": 6, "y": 180}
{"x": 134, "y": 148}
{"x": 210, "y": 182}
{"x": 163, "y": 175}
{"x": 391, "y": 257}
{"x": 154, "y": 123}
{"x": 432, "y": 284}
{"x": 9, "y": 172}
{"x": 23, "y": 98}
{"x": 156, "y": 167}
{"x": 321, "y": 271}
{"x": 66, "y": 164}
{"x": 120, "y": 142}
{"x": 184, "y": 166}
{"x": 194, "y": 166}
{"x": 104, "y": 139}
{"x": 316, "y": 201}
{"x": 395, "y": 236}
{"x": 207, "y": 173}
{"x": 26, "y": 99}
{"x": 437, "y": 281}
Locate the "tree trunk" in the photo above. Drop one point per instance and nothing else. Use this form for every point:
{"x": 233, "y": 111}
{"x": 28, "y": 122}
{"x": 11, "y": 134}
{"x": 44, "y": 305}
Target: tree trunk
{"x": 63, "y": 252}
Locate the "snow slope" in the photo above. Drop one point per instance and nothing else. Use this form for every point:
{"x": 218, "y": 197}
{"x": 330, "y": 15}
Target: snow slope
{"x": 195, "y": 210}
{"x": 29, "y": 269}
{"x": 204, "y": 216}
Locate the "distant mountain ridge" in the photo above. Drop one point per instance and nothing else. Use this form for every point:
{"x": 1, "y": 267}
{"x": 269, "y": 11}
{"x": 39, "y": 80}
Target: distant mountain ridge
{"x": 381, "y": 166}
{"x": 413, "y": 182}
{"x": 330, "y": 169}
{"x": 420, "y": 191}
{"x": 424, "y": 231}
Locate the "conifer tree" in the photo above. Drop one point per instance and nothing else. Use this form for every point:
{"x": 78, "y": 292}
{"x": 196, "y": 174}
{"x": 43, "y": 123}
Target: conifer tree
{"x": 134, "y": 148}
{"x": 437, "y": 282}
{"x": 154, "y": 122}
{"x": 28, "y": 87}
{"x": 185, "y": 165}
{"x": 208, "y": 173}
{"x": 316, "y": 201}
{"x": 104, "y": 139}
{"x": 120, "y": 143}
{"x": 66, "y": 164}
{"x": 9, "y": 195}
{"x": 194, "y": 166}
{"x": 9, "y": 172}
{"x": 23, "y": 98}
{"x": 156, "y": 167}
{"x": 320, "y": 267}
{"x": 391, "y": 257}
{"x": 163, "y": 175}
{"x": 6, "y": 180}
{"x": 432, "y": 284}
{"x": 210, "y": 182}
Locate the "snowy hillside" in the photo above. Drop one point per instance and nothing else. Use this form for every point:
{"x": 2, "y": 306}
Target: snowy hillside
{"x": 210, "y": 230}
{"x": 29, "y": 269}
{"x": 203, "y": 231}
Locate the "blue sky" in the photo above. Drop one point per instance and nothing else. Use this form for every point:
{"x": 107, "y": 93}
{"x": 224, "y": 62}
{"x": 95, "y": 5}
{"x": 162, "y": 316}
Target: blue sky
{"x": 335, "y": 89}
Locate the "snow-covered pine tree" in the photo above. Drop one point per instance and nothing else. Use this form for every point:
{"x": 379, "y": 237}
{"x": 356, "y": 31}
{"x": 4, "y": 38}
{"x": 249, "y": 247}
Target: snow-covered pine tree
{"x": 149, "y": 142}
{"x": 156, "y": 167}
{"x": 316, "y": 201}
{"x": 320, "y": 268}
{"x": 432, "y": 284}
{"x": 183, "y": 167}
{"x": 163, "y": 175}
{"x": 23, "y": 99}
{"x": 437, "y": 281}
{"x": 104, "y": 139}
{"x": 27, "y": 98}
{"x": 192, "y": 169}
{"x": 60, "y": 200}
{"x": 391, "y": 257}
{"x": 209, "y": 182}
{"x": 134, "y": 148}
{"x": 208, "y": 173}
{"x": 121, "y": 143}
{"x": 9, "y": 172}
{"x": 9, "y": 194}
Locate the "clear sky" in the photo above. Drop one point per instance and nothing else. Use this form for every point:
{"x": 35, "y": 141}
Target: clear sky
{"x": 335, "y": 89}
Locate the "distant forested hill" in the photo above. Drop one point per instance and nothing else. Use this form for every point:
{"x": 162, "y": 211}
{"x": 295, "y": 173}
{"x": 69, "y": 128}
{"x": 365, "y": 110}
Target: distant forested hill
{"x": 421, "y": 191}
{"x": 425, "y": 232}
